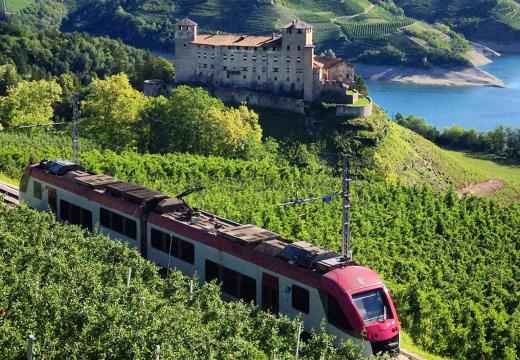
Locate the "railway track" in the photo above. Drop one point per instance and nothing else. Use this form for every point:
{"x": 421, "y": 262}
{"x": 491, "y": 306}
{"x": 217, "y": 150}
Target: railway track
{"x": 9, "y": 193}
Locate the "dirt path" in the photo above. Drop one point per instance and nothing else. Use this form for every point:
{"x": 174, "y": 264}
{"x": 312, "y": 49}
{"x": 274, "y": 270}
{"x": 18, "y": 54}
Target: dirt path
{"x": 355, "y": 15}
{"x": 482, "y": 188}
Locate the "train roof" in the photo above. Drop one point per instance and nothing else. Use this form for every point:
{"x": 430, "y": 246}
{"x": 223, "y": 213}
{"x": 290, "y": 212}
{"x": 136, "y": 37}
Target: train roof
{"x": 299, "y": 254}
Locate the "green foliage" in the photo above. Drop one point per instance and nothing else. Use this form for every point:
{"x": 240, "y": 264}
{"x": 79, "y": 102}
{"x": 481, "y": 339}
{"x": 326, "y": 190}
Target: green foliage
{"x": 47, "y": 54}
{"x": 8, "y": 78}
{"x": 193, "y": 121}
{"x": 69, "y": 290}
{"x": 110, "y": 112}
{"x": 29, "y": 103}
{"x": 358, "y": 30}
{"x": 451, "y": 264}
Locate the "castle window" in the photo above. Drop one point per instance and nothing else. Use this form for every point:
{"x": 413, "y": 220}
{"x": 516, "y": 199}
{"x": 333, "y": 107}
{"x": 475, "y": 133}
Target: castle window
{"x": 244, "y": 76}
{"x": 254, "y": 69}
{"x": 198, "y": 54}
{"x": 238, "y": 48}
{"x": 263, "y": 69}
{"x": 244, "y": 57}
{"x": 299, "y": 31}
{"x": 299, "y": 47}
{"x": 184, "y": 45}
{"x": 297, "y": 79}
{"x": 205, "y": 66}
{"x": 275, "y": 69}
{"x": 287, "y": 79}
{"x": 212, "y": 56}
{"x": 258, "y": 77}
{"x": 274, "y": 49}
{"x": 288, "y": 47}
{"x": 212, "y": 66}
{"x": 348, "y": 76}
{"x": 231, "y": 57}
{"x": 244, "y": 68}
{"x": 298, "y": 59}
{"x": 275, "y": 79}
{"x": 275, "y": 58}
{"x": 254, "y": 57}
{"x": 288, "y": 70}
{"x": 204, "y": 56}
{"x": 263, "y": 58}
{"x": 224, "y": 67}
{"x": 229, "y": 47}
{"x": 224, "y": 57}
{"x": 180, "y": 27}
{"x": 288, "y": 59}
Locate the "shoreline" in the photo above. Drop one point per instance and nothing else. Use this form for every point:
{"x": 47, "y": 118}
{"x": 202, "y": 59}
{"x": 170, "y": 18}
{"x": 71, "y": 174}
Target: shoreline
{"x": 435, "y": 76}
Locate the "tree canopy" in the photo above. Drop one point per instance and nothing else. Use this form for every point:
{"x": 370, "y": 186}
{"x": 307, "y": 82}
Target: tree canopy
{"x": 29, "y": 103}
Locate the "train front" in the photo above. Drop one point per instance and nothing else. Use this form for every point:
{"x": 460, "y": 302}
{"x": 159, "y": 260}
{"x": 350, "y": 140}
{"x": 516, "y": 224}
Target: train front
{"x": 367, "y": 306}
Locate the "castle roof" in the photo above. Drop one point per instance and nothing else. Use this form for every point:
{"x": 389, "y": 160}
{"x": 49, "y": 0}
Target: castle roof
{"x": 186, "y": 21}
{"x": 236, "y": 40}
{"x": 327, "y": 61}
{"x": 298, "y": 24}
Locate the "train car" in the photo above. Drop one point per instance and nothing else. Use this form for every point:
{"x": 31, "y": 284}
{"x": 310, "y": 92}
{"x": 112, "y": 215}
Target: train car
{"x": 251, "y": 263}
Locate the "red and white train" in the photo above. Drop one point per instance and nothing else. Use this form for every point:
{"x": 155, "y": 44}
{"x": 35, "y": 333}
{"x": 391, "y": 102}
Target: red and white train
{"x": 251, "y": 263}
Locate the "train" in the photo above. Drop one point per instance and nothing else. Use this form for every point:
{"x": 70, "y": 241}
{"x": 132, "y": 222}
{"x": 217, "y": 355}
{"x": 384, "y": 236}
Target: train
{"x": 253, "y": 264}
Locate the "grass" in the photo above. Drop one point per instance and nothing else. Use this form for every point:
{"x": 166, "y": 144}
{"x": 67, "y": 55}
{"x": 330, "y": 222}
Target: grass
{"x": 15, "y": 5}
{"x": 493, "y": 168}
{"x": 408, "y": 157}
{"x": 407, "y": 344}
{"x": 361, "y": 102}
{"x": 8, "y": 180}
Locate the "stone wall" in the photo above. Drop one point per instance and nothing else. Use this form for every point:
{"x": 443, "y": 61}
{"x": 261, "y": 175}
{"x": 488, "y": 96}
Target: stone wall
{"x": 262, "y": 99}
{"x": 351, "y": 111}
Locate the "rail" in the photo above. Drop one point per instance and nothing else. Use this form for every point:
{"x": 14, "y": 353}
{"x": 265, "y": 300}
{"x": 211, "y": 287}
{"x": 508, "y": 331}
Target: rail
{"x": 9, "y": 193}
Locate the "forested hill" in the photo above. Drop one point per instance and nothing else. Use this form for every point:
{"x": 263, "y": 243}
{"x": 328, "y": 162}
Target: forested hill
{"x": 374, "y": 31}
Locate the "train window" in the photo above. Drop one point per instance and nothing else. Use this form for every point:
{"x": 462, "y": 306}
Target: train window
{"x": 336, "y": 316}
{"x": 372, "y": 306}
{"x": 187, "y": 252}
{"x": 86, "y": 219}
{"x": 118, "y": 223}
{"x": 211, "y": 271}
{"x": 37, "y": 190}
{"x": 234, "y": 283}
{"x": 24, "y": 183}
{"x": 64, "y": 210}
{"x": 300, "y": 299}
{"x": 130, "y": 228}
{"x": 156, "y": 240}
{"x": 75, "y": 215}
{"x": 104, "y": 216}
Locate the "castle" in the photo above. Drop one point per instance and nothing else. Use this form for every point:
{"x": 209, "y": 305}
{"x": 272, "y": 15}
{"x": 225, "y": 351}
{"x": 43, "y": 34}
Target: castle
{"x": 277, "y": 70}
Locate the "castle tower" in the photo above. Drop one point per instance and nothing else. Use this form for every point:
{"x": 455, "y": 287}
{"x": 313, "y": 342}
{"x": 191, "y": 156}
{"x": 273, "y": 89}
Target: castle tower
{"x": 297, "y": 47}
{"x": 185, "y": 34}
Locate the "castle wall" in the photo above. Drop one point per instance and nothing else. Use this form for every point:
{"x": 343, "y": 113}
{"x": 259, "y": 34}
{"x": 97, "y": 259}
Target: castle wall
{"x": 262, "y": 99}
{"x": 350, "y": 111}
{"x": 341, "y": 71}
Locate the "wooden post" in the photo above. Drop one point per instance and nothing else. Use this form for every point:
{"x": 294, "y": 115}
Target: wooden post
{"x": 30, "y": 347}
{"x": 298, "y": 339}
{"x": 129, "y": 277}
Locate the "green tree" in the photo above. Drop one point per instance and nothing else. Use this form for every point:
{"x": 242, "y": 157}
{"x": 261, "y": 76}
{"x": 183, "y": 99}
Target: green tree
{"x": 8, "y": 78}
{"x": 110, "y": 112}
{"x": 29, "y": 103}
{"x": 193, "y": 121}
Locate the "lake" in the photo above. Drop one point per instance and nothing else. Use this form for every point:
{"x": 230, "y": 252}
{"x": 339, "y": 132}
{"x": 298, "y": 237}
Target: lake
{"x": 480, "y": 108}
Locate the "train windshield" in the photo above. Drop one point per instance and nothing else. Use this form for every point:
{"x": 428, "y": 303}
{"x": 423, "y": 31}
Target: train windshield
{"x": 372, "y": 306}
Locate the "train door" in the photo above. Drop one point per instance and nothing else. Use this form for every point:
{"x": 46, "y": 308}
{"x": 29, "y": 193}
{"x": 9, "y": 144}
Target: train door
{"x": 52, "y": 199}
{"x": 270, "y": 293}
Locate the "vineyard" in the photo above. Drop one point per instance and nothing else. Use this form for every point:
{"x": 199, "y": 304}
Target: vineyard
{"x": 372, "y": 30}
{"x": 452, "y": 264}
{"x": 73, "y": 293}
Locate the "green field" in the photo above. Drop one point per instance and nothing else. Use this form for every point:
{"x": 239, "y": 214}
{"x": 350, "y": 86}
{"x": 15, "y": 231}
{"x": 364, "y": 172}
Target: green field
{"x": 15, "y": 5}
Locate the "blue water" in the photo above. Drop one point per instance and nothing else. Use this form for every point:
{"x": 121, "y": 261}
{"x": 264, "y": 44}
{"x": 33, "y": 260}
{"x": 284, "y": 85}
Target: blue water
{"x": 480, "y": 108}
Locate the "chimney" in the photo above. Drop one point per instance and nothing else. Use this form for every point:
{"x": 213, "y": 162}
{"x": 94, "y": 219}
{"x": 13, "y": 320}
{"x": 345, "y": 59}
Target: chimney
{"x": 272, "y": 36}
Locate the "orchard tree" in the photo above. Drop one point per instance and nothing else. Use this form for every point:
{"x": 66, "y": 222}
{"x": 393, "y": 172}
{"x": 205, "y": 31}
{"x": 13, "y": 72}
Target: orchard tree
{"x": 29, "y": 103}
{"x": 110, "y": 112}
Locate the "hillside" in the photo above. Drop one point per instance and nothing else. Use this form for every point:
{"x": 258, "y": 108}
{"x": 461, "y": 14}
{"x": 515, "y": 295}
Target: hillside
{"x": 496, "y": 21}
{"x": 375, "y": 31}
{"x": 403, "y": 155}
{"x": 437, "y": 253}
